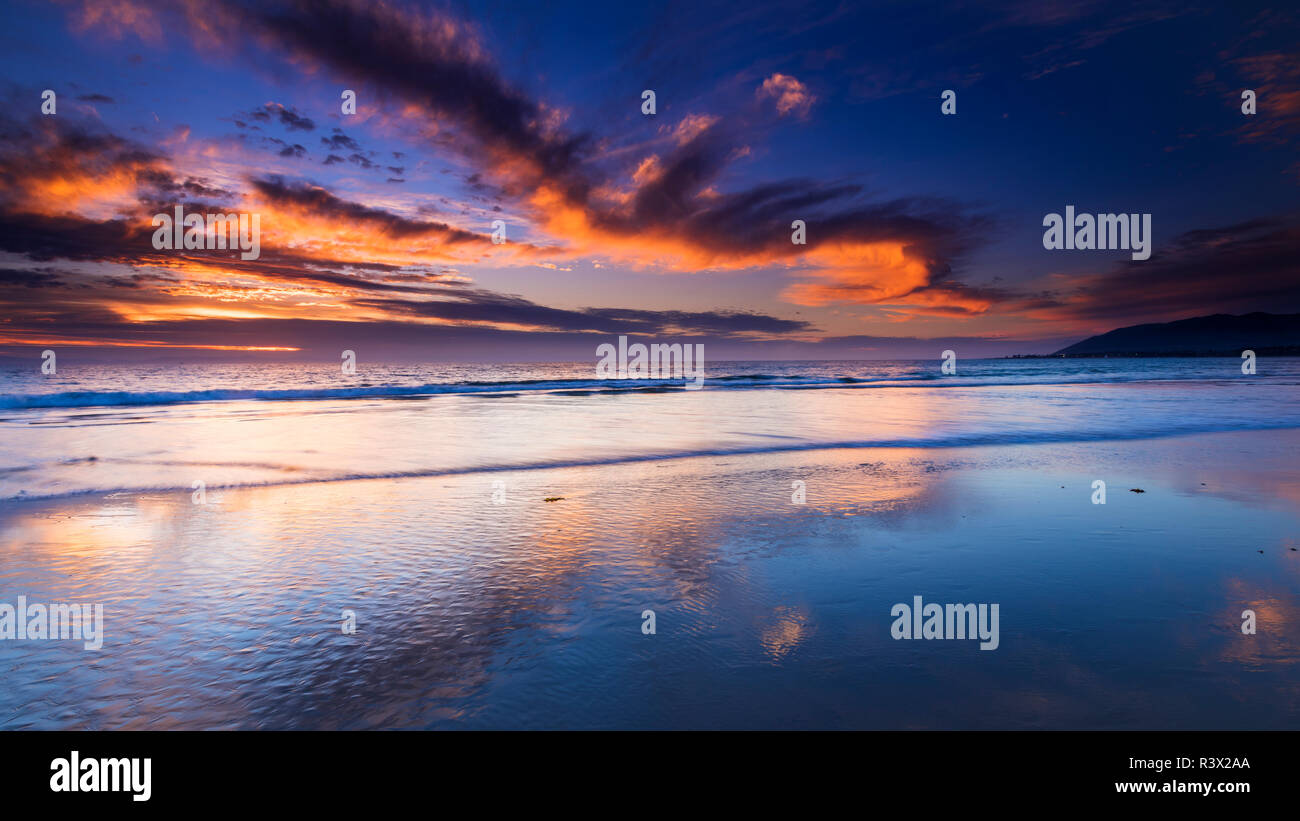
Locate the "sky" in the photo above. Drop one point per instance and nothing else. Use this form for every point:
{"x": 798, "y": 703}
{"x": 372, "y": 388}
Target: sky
{"x": 924, "y": 230}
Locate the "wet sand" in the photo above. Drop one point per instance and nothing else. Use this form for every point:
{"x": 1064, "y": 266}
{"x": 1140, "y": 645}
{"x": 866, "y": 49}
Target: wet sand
{"x": 526, "y": 614}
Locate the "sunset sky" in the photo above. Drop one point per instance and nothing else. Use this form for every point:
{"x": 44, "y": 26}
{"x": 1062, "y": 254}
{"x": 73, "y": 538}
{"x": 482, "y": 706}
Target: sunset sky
{"x": 924, "y": 230}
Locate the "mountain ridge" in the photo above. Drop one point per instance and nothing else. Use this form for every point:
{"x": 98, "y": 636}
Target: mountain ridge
{"x": 1213, "y": 335}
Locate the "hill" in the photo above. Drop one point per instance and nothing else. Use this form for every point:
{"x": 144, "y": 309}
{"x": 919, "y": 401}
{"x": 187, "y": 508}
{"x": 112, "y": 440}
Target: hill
{"x": 1217, "y": 335}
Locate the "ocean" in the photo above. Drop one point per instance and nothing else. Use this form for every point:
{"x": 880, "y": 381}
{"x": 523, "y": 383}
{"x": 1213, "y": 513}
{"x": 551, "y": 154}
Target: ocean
{"x": 125, "y": 429}
{"x": 498, "y": 534}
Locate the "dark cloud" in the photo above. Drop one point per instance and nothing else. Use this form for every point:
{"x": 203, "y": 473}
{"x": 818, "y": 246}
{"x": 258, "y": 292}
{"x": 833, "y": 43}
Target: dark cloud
{"x": 488, "y": 307}
{"x": 51, "y": 148}
{"x": 321, "y": 203}
{"x": 339, "y": 141}
{"x": 286, "y": 116}
{"x": 68, "y": 238}
{"x": 46, "y": 238}
{"x": 757, "y": 220}
{"x": 1230, "y": 269}
{"x": 437, "y": 63}
{"x": 29, "y": 278}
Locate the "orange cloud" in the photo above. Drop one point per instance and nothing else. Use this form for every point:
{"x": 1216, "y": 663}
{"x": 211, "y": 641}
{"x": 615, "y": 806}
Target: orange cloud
{"x": 674, "y": 214}
{"x": 52, "y": 173}
{"x": 792, "y": 96}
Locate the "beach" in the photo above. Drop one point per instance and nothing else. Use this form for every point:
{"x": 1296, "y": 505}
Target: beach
{"x": 769, "y": 530}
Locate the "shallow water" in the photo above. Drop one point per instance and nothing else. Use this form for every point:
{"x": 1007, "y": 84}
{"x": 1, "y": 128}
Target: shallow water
{"x": 528, "y": 416}
{"x": 481, "y": 605}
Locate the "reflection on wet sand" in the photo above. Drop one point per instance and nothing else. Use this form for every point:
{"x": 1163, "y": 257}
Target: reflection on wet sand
{"x": 770, "y": 613}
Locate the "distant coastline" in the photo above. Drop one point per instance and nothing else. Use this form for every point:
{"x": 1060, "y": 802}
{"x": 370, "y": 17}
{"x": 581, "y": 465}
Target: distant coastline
{"x": 1219, "y": 335}
{"x": 1282, "y": 350}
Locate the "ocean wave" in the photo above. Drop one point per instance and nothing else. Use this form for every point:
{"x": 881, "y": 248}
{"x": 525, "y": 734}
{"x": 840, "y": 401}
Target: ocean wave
{"x": 571, "y": 387}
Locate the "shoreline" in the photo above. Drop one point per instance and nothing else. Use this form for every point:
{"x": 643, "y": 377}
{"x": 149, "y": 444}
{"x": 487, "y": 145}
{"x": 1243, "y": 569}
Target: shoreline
{"x": 968, "y": 441}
